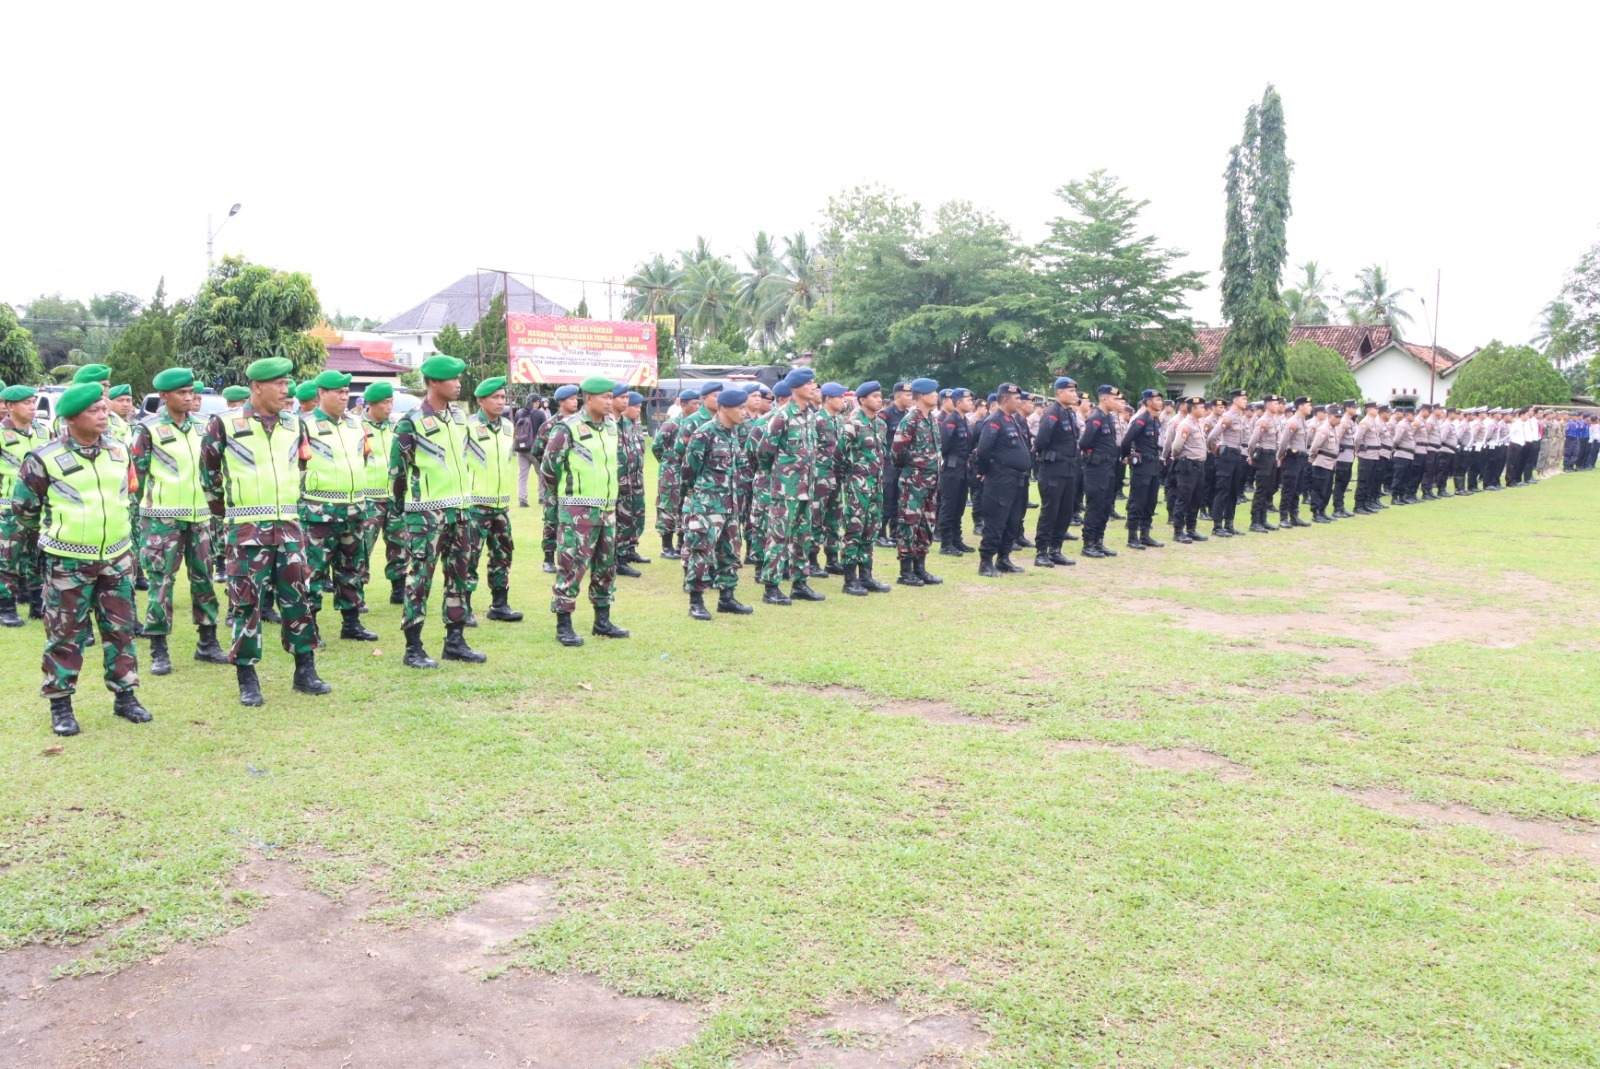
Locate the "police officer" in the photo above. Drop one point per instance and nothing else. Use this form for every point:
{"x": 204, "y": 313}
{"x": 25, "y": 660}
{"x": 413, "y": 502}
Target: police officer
{"x": 955, "y": 449}
{"x": 1056, "y": 449}
{"x": 1099, "y": 445}
{"x": 1227, "y": 439}
{"x": 1141, "y": 450}
{"x": 1003, "y": 462}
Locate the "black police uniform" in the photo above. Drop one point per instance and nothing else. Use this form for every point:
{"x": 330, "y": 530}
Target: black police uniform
{"x": 892, "y": 415}
{"x": 1099, "y": 445}
{"x": 1141, "y": 449}
{"x": 1003, "y": 461}
{"x": 955, "y": 445}
{"x": 1057, "y": 450}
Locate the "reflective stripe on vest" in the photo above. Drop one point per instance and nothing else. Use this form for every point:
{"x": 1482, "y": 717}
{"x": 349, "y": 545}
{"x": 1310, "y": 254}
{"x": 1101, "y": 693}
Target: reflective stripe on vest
{"x": 263, "y": 470}
{"x": 86, "y": 504}
{"x": 336, "y": 461}
{"x": 14, "y": 445}
{"x": 489, "y": 462}
{"x": 382, "y": 443}
{"x": 590, "y": 478}
{"x": 439, "y": 478}
{"x": 172, "y": 488}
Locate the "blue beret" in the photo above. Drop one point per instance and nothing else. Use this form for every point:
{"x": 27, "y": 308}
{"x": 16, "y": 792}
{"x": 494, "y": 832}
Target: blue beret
{"x": 564, "y": 392}
{"x": 944, "y": 394}
{"x": 1064, "y": 383}
{"x": 960, "y": 393}
{"x": 832, "y": 389}
{"x": 993, "y": 398}
{"x": 732, "y": 397}
{"x": 758, "y": 388}
{"x": 635, "y": 397}
{"x": 1105, "y": 390}
{"x": 924, "y": 386}
{"x": 802, "y": 375}
{"x": 783, "y": 389}
{"x": 689, "y": 395}
{"x": 1146, "y": 395}
{"x": 619, "y": 389}
{"x": 871, "y": 386}
{"x": 709, "y": 387}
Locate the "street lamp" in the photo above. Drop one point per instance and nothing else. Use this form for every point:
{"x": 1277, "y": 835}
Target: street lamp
{"x": 211, "y": 235}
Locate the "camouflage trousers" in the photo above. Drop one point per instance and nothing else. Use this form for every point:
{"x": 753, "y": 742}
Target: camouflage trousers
{"x": 756, "y": 506}
{"x": 430, "y": 536}
{"x": 669, "y": 498}
{"x": 219, "y": 547}
{"x": 710, "y": 543}
{"x": 630, "y": 511}
{"x": 863, "y": 506}
{"x": 827, "y": 515}
{"x": 547, "y": 507}
{"x": 165, "y": 545}
{"x": 919, "y": 510}
{"x": 255, "y": 570}
{"x": 73, "y": 589}
{"x": 379, "y": 518}
{"x": 491, "y": 526}
{"x": 586, "y": 542}
{"x": 21, "y": 563}
{"x": 788, "y": 540}
{"x": 334, "y": 543}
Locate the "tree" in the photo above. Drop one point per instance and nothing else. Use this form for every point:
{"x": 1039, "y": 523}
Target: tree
{"x": 58, "y": 326}
{"x": 353, "y": 322}
{"x": 1308, "y": 301}
{"x": 582, "y": 311}
{"x": 709, "y": 296}
{"x": 483, "y": 348}
{"x": 1319, "y": 373}
{"x": 1113, "y": 302}
{"x": 115, "y": 309}
{"x": 1581, "y": 293}
{"x": 247, "y": 311}
{"x": 1372, "y": 302}
{"x": 1255, "y": 248}
{"x": 147, "y": 347}
{"x": 1555, "y": 338}
{"x": 19, "y": 360}
{"x": 1510, "y": 376}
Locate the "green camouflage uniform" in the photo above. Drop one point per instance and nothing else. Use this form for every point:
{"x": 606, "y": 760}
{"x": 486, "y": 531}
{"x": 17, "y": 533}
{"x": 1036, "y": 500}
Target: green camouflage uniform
{"x": 630, "y": 488}
{"x": 492, "y": 465}
{"x": 826, "y": 514}
{"x": 916, "y": 453}
{"x": 587, "y": 522}
{"x": 434, "y": 528}
{"x": 175, "y": 522}
{"x": 686, "y": 427}
{"x": 378, "y": 516}
{"x": 547, "y": 496}
{"x": 333, "y": 506}
{"x": 21, "y": 567}
{"x": 754, "y": 488}
{"x": 863, "y": 444}
{"x": 712, "y": 466}
{"x": 669, "y": 487}
{"x": 788, "y": 456}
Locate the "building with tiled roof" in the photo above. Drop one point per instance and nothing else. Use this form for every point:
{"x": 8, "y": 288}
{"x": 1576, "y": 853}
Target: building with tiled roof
{"x": 363, "y": 370}
{"x": 460, "y": 304}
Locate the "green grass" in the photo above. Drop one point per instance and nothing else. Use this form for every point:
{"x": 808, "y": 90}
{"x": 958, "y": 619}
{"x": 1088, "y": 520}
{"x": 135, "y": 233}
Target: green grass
{"x": 722, "y": 834}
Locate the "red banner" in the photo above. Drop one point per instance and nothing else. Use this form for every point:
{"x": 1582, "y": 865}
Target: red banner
{"x": 550, "y": 349}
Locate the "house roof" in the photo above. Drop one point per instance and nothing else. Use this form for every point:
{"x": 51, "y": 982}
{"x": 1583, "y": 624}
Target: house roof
{"x": 464, "y": 301}
{"x": 348, "y": 359}
{"x": 1355, "y": 343}
{"x": 1425, "y": 355}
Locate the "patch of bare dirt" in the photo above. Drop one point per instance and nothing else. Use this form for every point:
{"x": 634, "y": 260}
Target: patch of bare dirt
{"x": 1175, "y": 759}
{"x": 880, "y": 1035}
{"x": 1584, "y": 769}
{"x": 922, "y": 708}
{"x": 1566, "y": 840}
{"x": 307, "y": 984}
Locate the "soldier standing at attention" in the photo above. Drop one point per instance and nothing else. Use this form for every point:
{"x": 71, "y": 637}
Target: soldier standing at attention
{"x": 1262, "y": 450}
{"x": 1187, "y": 448}
{"x": 825, "y": 516}
{"x": 1099, "y": 446}
{"x": 566, "y": 403}
{"x": 788, "y": 457}
{"x": 630, "y": 479}
{"x": 753, "y": 488}
{"x": 1368, "y": 444}
{"x": 1346, "y": 420}
{"x": 306, "y": 395}
{"x": 1056, "y": 453}
{"x": 376, "y": 515}
{"x": 72, "y": 492}
{"x": 1227, "y": 438}
{"x": 1324, "y": 456}
{"x": 429, "y": 484}
{"x": 234, "y": 397}
{"x": 176, "y": 518}
{"x": 711, "y": 526}
{"x": 900, "y": 404}
{"x": 334, "y": 463}
{"x": 863, "y": 445}
{"x": 581, "y": 465}
{"x": 21, "y": 575}
{"x": 1003, "y": 462}
{"x": 955, "y": 449}
{"x": 1404, "y": 441}
{"x": 491, "y": 445}
{"x": 1141, "y": 449}
{"x": 669, "y": 495}
{"x": 249, "y": 467}
{"x": 915, "y": 452}
{"x": 1293, "y": 445}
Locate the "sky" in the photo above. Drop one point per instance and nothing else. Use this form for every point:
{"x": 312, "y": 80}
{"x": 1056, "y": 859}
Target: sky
{"x": 389, "y": 150}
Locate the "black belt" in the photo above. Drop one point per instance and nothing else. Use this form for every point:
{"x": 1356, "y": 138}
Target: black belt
{"x": 1230, "y": 449}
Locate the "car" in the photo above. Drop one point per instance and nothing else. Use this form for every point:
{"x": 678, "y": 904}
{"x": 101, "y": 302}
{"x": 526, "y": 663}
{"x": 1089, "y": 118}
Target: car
{"x": 211, "y": 403}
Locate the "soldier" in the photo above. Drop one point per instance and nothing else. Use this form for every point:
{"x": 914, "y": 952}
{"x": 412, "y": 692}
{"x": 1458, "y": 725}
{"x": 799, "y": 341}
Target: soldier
{"x": 1226, "y": 438}
{"x": 1294, "y": 445}
{"x": 1056, "y": 453}
{"x": 1187, "y": 449}
{"x": 900, "y": 404}
{"x": 825, "y": 504}
{"x": 377, "y": 516}
{"x": 1386, "y": 455}
{"x": 1099, "y": 445}
{"x": 566, "y": 402}
{"x": 581, "y": 466}
{"x": 669, "y": 491}
{"x": 787, "y": 457}
{"x": 1324, "y": 458}
{"x": 306, "y": 395}
{"x": 249, "y": 468}
{"x": 711, "y": 464}
{"x": 491, "y": 445}
{"x": 72, "y": 494}
{"x": 1347, "y": 459}
{"x": 21, "y": 570}
{"x": 334, "y": 462}
{"x": 233, "y": 397}
{"x": 1425, "y": 444}
{"x": 1003, "y": 463}
{"x": 863, "y": 445}
{"x": 955, "y": 472}
{"x": 176, "y": 521}
{"x": 1141, "y": 449}
{"x": 915, "y": 452}
{"x": 1368, "y": 444}
{"x": 753, "y": 488}
{"x": 630, "y": 491}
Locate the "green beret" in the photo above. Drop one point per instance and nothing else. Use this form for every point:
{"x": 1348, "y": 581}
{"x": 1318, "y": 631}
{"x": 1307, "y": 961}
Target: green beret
{"x": 268, "y": 368}
{"x": 174, "y": 378}
{"x": 236, "y": 393}
{"x": 378, "y": 391}
{"x": 331, "y": 380}
{"x": 489, "y": 386}
{"x": 92, "y": 373}
{"x": 17, "y": 393}
{"x": 442, "y": 367}
{"x": 306, "y": 391}
{"x": 78, "y": 397}
{"x": 121, "y": 391}
{"x": 597, "y": 384}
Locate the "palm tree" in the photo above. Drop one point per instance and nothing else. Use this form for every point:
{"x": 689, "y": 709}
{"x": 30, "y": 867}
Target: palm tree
{"x": 763, "y": 294}
{"x": 1555, "y": 332}
{"x": 709, "y": 294}
{"x": 803, "y": 267}
{"x": 1372, "y": 302}
{"x": 1308, "y": 301}
{"x": 652, "y": 289}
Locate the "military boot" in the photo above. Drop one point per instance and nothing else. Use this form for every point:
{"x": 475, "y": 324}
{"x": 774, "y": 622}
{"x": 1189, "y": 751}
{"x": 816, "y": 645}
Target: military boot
{"x": 471, "y": 618}
{"x": 1059, "y": 559}
{"x": 160, "y": 659}
{"x": 667, "y": 552}
{"x": 456, "y": 648}
{"x": 800, "y": 590}
{"x": 986, "y": 566}
{"x": 35, "y": 604}
{"x": 1220, "y": 530}
{"x": 921, "y": 568}
{"x": 1148, "y": 542}
{"x": 634, "y": 558}
{"x": 500, "y": 608}
{"x": 871, "y": 582}
{"x": 352, "y": 628}
{"x": 126, "y": 705}
{"x": 1196, "y": 536}
{"x": 249, "y": 685}
{"x": 1180, "y": 536}
{"x": 62, "y": 722}
{"x": 1133, "y": 539}
{"x": 207, "y": 650}
{"x": 852, "y": 581}
{"x": 549, "y": 565}
{"x": 833, "y": 566}
{"x": 813, "y": 570}
{"x": 774, "y": 595}
{"x": 8, "y": 613}
{"x": 415, "y": 655}
{"x": 1006, "y": 567}
{"x": 908, "y": 573}
{"x": 697, "y": 607}
{"x": 603, "y": 625}
{"x": 1042, "y": 559}
{"x": 624, "y": 568}
{"x": 948, "y": 548}
{"x": 726, "y": 602}
{"x": 306, "y": 680}
{"x": 397, "y": 592}
{"x": 1094, "y": 550}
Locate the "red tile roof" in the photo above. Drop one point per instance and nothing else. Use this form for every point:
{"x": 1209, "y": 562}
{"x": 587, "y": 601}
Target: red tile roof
{"x": 1424, "y": 355}
{"x": 348, "y": 359}
{"x": 1354, "y": 343}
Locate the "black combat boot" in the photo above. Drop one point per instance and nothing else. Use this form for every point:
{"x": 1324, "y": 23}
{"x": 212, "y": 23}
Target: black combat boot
{"x": 986, "y": 566}
{"x": 500, "y": 608}
{"x": 1133, "y": 539}
{"x": 269, "y": 615}
{"x": 921, "y": 568}
{"x": 8, "y": 613}
{"x": 62, "y": 722}
{"x": 1093, "y": 550}
{"x": 1196, "y": 536}
{"x": 603, "y": 625}
{"x": 456, "y": 648}
{"x": 634, "y": 558}
{"x": 471, "y": 618}
{"x": 726, "y": 602}
{"x": 667, "y": 552}
{"x": 800, "y": 590}
{"x": 961, "y": 544}
{"x": 141, "y": 584}
{"x": 1148, "y": 542}
{"x": 908, "y": 574}
{"x": 416, "y": 656}
{"x": 833, "y": 566}
{"x": 948, "y": 549}
{"x": 1219, "y": 530}
{"x": 549, "y": 565}
{"x": 397, "y": 592}
{"x": 306, "y": 680}
{"x": 1297, "y": 521}
{"x": 697, "y": 607}
{"x": 352, "y": 627}
{"x": 249, "y": 685}
{"x": 1318, "y": 517}
{"x": 852, "y": 581}
{"x": 623, "y": 568}
{"x": 1042, "y": 559}
{"x": 1180, "y": 536}
{"x": 774, "y": 595}
{"x": 1006, "y": 567}
{"x": 1023, "y": 542}
{"x": 208, "y": 650}
{"x": 35, "y": 604}
{"x": 1059, "y": 559}
{"x": 160, "y": 659}
{"x": 125, "y": 703}
{"x": 872, "y": 584}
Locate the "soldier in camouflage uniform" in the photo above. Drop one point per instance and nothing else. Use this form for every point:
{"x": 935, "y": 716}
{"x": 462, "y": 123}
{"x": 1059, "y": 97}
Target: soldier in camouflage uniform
{"x": 430, "y": 482}
{"x": 687, "y": 426}
{"x": 712, "y": 463}
{"x": 915, "y": 452}
{"x": 566, "y": 403}
{"x": 669, "y": 493}
{"x": 492, "y": 472}
{"x": 21, "y": 574}
{"x": 581, "y": 466}
{"x": 250, "y": 469}
{"x": 175, "y": 521}
{"x": 377, "y": 517}
{"x": 754, "y": 488}
{"x": 788, "y": 456}
{"x": 335, "y": 470}
{"x": 233, "y": 396}
{"x": 630, "y": 493}
{"x": 120, "y": 429}
{"x": 863, "y": 445}
{"x": 72, "y": 493}
{"x": 825, "y": 506}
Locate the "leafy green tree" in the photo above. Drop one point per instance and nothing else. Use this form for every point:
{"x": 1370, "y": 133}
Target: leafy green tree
{"x": 147, "y": 346}
{"x": 709, "y": 296}
{"x": 1581, "y": 293}
{"x": 483, "y": 348}
{"x": 1510, "y": 376}
{"x": 1319, "y": 373}
{"x": 582, "y": 311}
{"x": 1555, "y": 337}
{"x": 1113, "y": 301}
{"x": 353, "y": 322}
{"x": 247, "y": 311}
{"x": 19, "y": 360}
{"x": 115, "y": 309}
{"x": 1372, "y": 302}
{"x": 58, "y": 326}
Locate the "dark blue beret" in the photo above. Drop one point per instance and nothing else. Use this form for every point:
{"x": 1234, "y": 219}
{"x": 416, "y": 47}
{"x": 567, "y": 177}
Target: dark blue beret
{"x": 871, "y": 386}
{"x": 832, "y": 389}
{"x": 1064, "y": 383}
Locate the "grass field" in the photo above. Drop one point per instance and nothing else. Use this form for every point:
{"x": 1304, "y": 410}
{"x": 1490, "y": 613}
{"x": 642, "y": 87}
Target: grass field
{"x": 1323, "y": 797}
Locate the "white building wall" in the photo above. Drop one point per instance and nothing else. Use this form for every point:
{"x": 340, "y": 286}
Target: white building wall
{"x": 1395, "y": 375}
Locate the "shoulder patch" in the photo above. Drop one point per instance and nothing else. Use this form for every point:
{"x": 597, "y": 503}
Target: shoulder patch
{"x": 166, "y": 433}
{"x": 241, "y": 426}
{"x": 10, "y": 436}
{"x": 430, "y": 425}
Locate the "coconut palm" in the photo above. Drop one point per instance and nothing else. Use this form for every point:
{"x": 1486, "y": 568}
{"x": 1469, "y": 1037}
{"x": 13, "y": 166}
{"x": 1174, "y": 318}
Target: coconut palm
{"x": 1308, "y": 301}
{"x": 1555, "y": 332}
{"x": 709, "y": 295}
{"x": 803, "y": 268}
{"x": 1372, "y": 302}
{"x": 652, "y": 289}
{"x": 763, "y": 294}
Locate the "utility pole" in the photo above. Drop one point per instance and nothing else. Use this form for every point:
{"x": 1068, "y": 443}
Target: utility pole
{"x": 211, "y": 236}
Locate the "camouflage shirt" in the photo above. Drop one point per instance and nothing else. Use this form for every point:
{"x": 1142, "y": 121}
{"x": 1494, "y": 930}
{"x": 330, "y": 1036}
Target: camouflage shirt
{"x": 213, "y": 458}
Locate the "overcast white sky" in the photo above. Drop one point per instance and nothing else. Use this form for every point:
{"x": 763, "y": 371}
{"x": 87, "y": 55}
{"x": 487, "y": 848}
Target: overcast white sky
{"x": 390, "y": 149}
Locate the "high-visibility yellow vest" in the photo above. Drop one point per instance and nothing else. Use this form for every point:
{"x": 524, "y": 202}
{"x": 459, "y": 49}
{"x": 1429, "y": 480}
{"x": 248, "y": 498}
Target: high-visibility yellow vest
{"x": 491, "y": 461}
{"x": 336, "y": 460}
{"x": 85, "y": 514}
{"x": 14, "y": 445}
{"x": 380, "y": 439}
{"x": 118, "y": 429}
{"x": 590, "y": 467}
{"x": 439, "y": 476}
{"x": 262, "y": 469}
{"x": 171, "y": 489}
